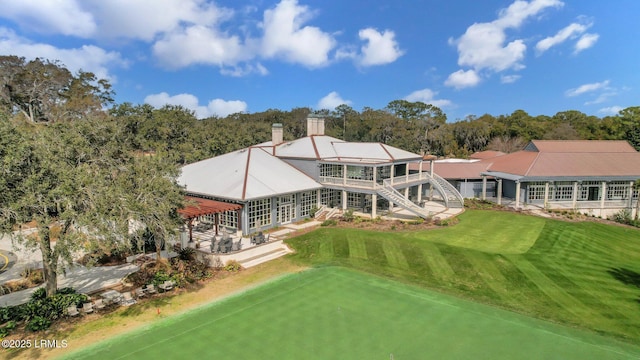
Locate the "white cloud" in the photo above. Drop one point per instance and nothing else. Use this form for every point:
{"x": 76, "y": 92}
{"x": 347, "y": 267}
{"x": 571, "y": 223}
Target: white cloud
{"x": 587, "y": 88}
{"x": 463, "y": 79}
{"x": 286, "y": 38}
{"x": 482, "y": 46}
{"x": 64, "y": 17}
{"x": 427, "y": 96}
{"x": 611, "y": 110}
{"x": 217, "y": 107}
{"x": 381, "y": 48}
{"x": 331, "y": 101}
{"x": 585, "y": 42}
{"x": 200, "y": 45}
{"x": 571, "y": 31}
{"x": 509, "y": 79}
{"x": 87, "y": 58}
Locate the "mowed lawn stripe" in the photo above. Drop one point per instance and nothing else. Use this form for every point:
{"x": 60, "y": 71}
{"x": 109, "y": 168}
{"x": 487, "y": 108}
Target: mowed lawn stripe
{"x": 393, "y": 252}
{"x": 357, "y": 248}
{"x": 437, "y": 263}
{"x": 554, "y": 291}
{"x": 489, "y": 272}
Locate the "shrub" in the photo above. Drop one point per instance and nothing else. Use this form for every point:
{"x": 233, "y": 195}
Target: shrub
{"x": 329, "y": 222}
{"x": 4, "y": 332}
{"x": 233, "y": 266}
{"x": 187, "y": 254}
{"x": 313, "y": 211}
{"x": 38, "y": 323}
{"x": 39, "y": 294}
{"x": 348, "y": 216}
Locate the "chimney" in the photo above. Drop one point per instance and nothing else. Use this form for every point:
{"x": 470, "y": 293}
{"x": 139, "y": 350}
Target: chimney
{"x": 276, "y": 134}
{"x": 315, "y": 125}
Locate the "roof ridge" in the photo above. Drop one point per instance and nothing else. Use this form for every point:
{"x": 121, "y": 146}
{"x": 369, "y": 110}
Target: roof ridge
{"x": 246, "y": 175}
{"x": 532, "y": 163}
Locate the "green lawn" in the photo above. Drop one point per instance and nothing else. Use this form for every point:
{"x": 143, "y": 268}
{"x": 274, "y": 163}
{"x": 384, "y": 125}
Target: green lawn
{"x": 585, "y": 274}
{"x": 336, "y": 313}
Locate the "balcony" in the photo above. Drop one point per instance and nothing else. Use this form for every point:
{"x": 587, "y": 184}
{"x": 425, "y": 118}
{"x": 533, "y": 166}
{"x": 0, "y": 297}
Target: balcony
{"x": 370, "y": 184}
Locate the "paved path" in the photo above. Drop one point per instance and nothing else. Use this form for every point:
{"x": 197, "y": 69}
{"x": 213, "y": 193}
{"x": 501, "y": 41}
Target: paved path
{"x": 83, "y": 280}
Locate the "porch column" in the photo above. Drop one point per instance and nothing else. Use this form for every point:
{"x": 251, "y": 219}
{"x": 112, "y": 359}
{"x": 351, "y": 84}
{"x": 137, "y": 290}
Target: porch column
{"x": 574, "y": 196}
{"x": 344, "y": 199}
{"x": 406, "y": 193}
{"x": 239, "y": 219}
{"x": 217, "y": 220}
{"x": 406, "y": 172}
{"x": 375, "y": 180}
{"x": 499, "y": 192}
{"x": 344, "y": 175}
{"x": 318, "y": 198}
{"x": 484, "y": 187}
{"x": 419, "y": 193}
{"x": 430, "y": 192}
{"x": 374, "y": 201}
{"x": 546, "y": 194}
{"x": 604, "y": 195}
{"x": 420, "y": 170}
{"x": 393, "y": 173}
{"x": 631, "y": 195}
{"x": 190, "y": 226}
{"x": 517, "y": 194}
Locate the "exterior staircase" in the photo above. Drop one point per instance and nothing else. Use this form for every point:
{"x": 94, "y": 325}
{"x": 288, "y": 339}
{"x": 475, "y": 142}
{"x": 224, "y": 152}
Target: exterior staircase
{"x": 388, "y": 192}
{"x": 451, "y": 195}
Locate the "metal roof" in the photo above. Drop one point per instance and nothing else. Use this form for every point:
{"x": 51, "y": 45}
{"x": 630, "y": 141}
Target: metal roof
{"x": 250, "y": 173}
{"x": 327, "y": 148}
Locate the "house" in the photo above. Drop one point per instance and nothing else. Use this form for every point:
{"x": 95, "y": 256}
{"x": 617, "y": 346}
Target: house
{"x": 279, "y": 182}
{"x": 591, "y": 176}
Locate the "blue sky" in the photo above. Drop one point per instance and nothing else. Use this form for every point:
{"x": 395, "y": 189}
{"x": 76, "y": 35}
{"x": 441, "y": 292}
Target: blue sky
{"x": 468, "y": 57}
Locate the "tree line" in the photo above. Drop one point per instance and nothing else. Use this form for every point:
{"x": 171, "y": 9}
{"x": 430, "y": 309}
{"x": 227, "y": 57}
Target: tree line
{"x": 82, "y": 174}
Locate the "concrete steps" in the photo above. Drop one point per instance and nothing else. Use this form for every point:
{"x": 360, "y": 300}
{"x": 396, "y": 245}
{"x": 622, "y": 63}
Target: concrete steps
{"x": 267, "y": 256}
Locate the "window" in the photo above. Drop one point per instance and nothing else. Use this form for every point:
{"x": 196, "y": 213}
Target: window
{"x": 617, "y": 190}
{"x": 259, "y": 213}
{"x": 354, "y": 200}
{"x": 331, "y": 170}
{"x": 331, "y": 197}
{"x": 383, "y": 172}
{"x": 536, "y": 191}
{"x": 307, "y": 202}
{"x": 229, "y": 219}
{"x": 562, "y": 191}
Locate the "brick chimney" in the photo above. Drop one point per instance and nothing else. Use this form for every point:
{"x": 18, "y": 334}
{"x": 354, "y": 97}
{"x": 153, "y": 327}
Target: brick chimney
{"x": 276, "y": 134}
{"x": 315, "y": 125}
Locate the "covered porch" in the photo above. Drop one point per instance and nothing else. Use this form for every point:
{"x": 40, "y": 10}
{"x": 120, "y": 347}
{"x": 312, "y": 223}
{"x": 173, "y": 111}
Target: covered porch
{"x": 200, "y": 212}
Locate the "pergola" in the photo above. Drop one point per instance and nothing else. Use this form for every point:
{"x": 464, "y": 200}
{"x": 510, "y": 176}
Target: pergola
{"x": 199, "y": 207}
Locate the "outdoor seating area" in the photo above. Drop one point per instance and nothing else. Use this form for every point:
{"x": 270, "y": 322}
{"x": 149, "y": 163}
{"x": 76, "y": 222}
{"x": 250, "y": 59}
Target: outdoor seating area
{"x": 167, "y": 285}
{"x": 259, "y": 239}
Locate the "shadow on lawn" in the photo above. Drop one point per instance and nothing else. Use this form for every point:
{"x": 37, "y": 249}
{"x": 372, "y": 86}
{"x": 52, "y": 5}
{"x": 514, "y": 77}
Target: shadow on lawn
{"x": 626, "y": 276}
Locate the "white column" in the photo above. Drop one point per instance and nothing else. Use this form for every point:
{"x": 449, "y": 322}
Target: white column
{"x": 344, "y": 175}
{"x": 431, "y": 168}
{"x": 420, "y": 170}
{"x": 406, "y": 193}
{"x": 393, "y": 173}
{"x": 631, "y": 196}
{"x": 344, "y": 199}
{"x": 374, "y": 201}
{"x": 574, "y": 196}
{"x": 484, "y": 187}
{"x": 318, "y": 198}
{"x": 375, "y": 180}
{"x": 603, "y": 197}
{"x": 499, "y": 192}
{"x": 546, "y": 194}
{"x": 517, "y": 194}
{"x": 420, "y": 193}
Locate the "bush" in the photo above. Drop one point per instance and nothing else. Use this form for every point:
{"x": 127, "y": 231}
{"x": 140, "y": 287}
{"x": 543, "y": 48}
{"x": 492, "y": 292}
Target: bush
{"x": 4, "y": 332}
{"x": 187, "y": 254}
{"x": 39, "y": 294}
{"x": 329, "y": 222}
{"x": 313, "y": 211}
{"x": 233, "y": 266}
{"x": 38, "y": 323}
{"x": 348, "y": 216}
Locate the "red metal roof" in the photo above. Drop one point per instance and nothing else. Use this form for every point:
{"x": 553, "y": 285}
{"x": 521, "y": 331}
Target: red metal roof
{"x": 200, "y": 206}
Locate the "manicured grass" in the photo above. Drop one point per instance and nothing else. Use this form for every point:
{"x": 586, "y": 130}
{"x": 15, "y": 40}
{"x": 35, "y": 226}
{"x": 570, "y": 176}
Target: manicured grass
{"x": 584, "y": 275}
{"x": 336, "y": 313}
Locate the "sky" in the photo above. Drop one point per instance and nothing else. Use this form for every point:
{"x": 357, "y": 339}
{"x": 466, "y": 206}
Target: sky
{"x": 468, "y": 57}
